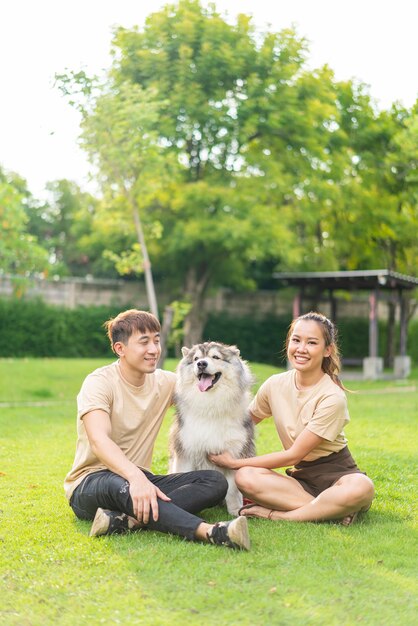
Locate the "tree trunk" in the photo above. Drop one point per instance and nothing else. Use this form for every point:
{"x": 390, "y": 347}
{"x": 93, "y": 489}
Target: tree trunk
{"x": 149, "y": 285}
{"x": 197, "y": 281}
{"x": 165, "y": 332}
{"x": 194, "y": 325}
{"x": 149, "y": 282}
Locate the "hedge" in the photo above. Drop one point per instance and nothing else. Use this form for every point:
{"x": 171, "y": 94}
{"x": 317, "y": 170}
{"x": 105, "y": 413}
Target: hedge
{"x": 33, "y": 328}
{"x": 259, "y": 340}
{"x": 262, "y": 340}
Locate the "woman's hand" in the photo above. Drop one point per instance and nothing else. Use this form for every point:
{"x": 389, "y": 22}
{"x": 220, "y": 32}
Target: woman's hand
{"x": 224, "y": 460}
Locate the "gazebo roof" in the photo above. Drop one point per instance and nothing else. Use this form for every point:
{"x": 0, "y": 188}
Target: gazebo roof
{"x": 351, "y": 281}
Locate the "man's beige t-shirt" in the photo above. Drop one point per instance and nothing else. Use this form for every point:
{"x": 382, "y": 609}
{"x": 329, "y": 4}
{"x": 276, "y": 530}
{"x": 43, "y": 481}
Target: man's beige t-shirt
{"x": 321, "y": 409}
{"x": 135, "y": 413}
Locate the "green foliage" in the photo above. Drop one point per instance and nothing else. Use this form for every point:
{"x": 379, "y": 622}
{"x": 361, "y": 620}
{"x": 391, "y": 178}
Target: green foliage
{"x": 261, "y": 340}
{"x": 210, "y": 73}
{"x": 218, "y": 147}
{"x": 233, "y": 153}
{"x": 32, "y": 328}
{"x": 20, "y": 251}
{"x": 128, "y": 262}
{"x": 62, "y": 223}
{"x": 354, "y": 337}
{"x": 284, "y": 580}
{"x": 244, "y": 158}
{"x": 413, "y": 341}
{"x": 180, "y": 311}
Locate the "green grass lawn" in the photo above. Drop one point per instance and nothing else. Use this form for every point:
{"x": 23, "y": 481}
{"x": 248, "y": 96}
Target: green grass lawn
{"x": 322, "y": 574}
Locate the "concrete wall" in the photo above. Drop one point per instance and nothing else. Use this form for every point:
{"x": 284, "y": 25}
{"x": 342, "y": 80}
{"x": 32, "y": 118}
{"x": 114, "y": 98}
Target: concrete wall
{"x": 74, "y": 292}
{"x": 262, "y": 303}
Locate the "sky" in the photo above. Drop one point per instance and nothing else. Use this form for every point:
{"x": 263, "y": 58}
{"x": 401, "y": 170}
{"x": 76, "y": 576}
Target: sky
{"x": 373, "y": 41}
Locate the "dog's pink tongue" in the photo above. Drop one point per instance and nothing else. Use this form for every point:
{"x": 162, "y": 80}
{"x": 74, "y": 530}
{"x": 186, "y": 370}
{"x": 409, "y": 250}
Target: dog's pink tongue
{"x": 205, "y": 382}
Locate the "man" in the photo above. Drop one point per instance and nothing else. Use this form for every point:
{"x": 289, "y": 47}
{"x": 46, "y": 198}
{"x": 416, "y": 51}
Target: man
{"x": 120, "y": 410}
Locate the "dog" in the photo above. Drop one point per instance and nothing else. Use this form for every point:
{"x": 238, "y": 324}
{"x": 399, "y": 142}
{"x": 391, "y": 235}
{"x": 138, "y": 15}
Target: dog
{"x": 212, "y": 396}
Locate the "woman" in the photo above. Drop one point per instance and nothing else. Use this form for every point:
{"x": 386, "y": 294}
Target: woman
{"x": 309, "y": 408}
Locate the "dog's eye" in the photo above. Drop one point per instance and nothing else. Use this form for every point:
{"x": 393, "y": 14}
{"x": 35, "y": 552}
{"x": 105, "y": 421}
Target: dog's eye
{"x": 216, "y": 357}
{"x": 196, "y": 358}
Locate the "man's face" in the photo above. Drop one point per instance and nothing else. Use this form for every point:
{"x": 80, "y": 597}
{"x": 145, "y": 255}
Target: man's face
{"x": 141, "y": 353}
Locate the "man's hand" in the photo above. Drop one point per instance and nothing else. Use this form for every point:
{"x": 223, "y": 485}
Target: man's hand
{"x": 144, "y": 498}
{"x": 143, "y": 493}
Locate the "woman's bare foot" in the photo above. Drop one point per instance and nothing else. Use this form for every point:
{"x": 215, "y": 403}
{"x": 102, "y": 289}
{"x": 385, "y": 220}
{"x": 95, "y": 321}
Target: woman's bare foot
{"x": 256, "y": 510}
{"x": 351, "y": 519}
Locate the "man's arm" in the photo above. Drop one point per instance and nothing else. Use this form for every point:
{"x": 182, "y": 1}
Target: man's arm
{"x": 255, "y": 420}
{"x": 143, "y": 493}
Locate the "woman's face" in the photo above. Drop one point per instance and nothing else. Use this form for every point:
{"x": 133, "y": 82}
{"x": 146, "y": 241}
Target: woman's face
{"x": 306, "y": 348}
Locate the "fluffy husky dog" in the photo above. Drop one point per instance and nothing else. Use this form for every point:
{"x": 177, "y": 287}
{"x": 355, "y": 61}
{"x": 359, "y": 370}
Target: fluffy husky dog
{"x": 212, "y": 397}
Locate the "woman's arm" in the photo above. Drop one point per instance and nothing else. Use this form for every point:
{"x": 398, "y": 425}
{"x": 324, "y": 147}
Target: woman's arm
{"x": 302, "y": 445}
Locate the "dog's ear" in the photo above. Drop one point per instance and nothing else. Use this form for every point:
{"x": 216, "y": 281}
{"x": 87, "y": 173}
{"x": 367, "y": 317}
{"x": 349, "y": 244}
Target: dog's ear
{"x": 235, "y": 351}
{"x": 185, "y": 351}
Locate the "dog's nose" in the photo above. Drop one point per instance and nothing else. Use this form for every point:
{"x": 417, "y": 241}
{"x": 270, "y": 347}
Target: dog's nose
{"x": 202, "y": 365}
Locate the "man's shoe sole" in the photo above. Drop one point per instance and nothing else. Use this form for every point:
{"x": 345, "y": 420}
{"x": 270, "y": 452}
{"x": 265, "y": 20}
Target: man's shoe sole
{"x": 238, "y": 533}
{"x": 100, "y": 524}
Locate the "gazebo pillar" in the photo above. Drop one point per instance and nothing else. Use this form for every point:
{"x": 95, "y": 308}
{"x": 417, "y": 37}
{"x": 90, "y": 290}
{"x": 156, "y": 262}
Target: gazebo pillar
{"x": 402, "y": 363}
{"x": 297, "y": 303}
{"x": 373, "y": 364}
{"x": 296, "y": 306}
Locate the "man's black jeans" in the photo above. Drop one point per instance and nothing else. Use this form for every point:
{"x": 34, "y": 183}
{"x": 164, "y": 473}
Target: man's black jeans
{"x": 190, "y": 492}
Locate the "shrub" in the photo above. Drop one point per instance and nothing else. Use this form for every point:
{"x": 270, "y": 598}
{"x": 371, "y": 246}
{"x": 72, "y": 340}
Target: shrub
{"x": 262, "y": 340}
{"x": 259, "y": 340}
{"x": 413, "y": 340}
{"x": 34, "y": 328}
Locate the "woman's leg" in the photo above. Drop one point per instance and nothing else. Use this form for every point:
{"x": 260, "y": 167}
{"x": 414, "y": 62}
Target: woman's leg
{"x": 349, "y": 494}
{"x": 270, "y": 489}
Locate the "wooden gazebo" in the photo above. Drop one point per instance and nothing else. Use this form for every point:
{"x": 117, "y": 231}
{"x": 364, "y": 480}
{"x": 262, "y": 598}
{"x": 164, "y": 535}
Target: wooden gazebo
{"x": 374, "y": 281}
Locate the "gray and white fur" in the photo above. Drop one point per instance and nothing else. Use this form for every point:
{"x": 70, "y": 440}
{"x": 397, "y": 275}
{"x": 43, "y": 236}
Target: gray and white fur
{"x": 212, "y": 398}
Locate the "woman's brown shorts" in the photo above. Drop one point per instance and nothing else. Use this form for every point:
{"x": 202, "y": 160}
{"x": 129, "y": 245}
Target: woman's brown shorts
{"x": 316, "y": 476}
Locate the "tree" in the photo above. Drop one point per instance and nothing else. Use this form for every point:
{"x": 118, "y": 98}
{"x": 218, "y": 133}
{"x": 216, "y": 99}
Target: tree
{"x": 63, "y": 223}
{"x": 237, "y": 158}
{"x": 378, "y": 207}
{"x": 20, "y": 252}
{"x": 221, "y": 99}
{"x": 120, "y": 138}
{"x": 118, "y": 134}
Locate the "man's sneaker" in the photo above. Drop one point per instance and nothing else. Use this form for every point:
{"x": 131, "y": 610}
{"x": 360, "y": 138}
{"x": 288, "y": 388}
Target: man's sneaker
{"x": 231, "y": 534}
{"x": 112, "y": 523}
